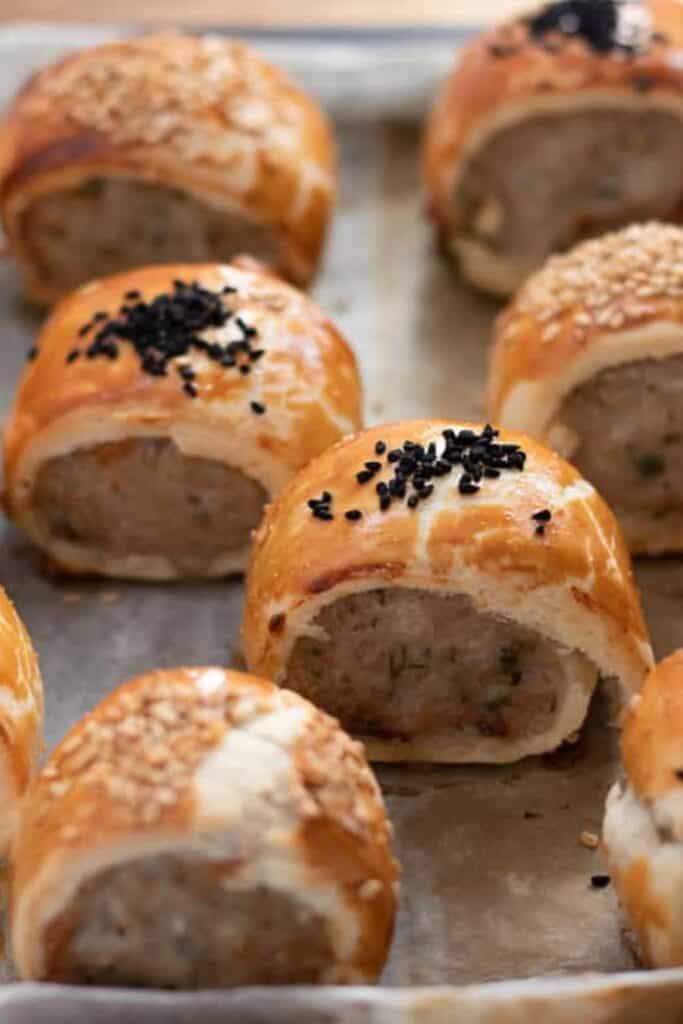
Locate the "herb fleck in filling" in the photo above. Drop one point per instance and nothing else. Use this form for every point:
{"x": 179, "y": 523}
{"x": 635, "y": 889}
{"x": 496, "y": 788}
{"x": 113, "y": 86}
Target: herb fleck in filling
{"x": 649, "y": 463}
{"x": 416, "y": 469}
{"x": 168, "y": 328}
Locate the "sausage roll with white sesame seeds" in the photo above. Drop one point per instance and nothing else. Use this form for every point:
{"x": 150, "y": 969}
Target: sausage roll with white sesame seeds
{"x": 588, "y": 359}
{"x": 554, "y": 127}
{"x": 161, "y": 149}
{"x": 448, "y": 593}
{"x": 202, "y": 828}
{"x": 21, "y": 716}
{"x": 162, "y": 408}
{"x": 643, "y": 826}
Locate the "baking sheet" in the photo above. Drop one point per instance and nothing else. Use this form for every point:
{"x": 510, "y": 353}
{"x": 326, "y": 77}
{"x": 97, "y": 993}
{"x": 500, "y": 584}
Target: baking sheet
{"x": 496, "y": 884}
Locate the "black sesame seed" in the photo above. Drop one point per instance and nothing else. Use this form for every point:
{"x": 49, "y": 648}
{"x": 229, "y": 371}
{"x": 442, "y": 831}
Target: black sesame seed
{"x": 465, "y": 487}
{"x": 594, "y": 22}
{"x": 416, "y": 464}
{"x": 73, "y": 355}
{"x": 353, "y": 514}
{"x": 543, "y": 516}
{"x": 679, "y": 774}
{"x": 540, "y": 530}
{"x": 600, "y": 881}
{"x": 82, "y": 331}
{"x": 258, "y": 408}
{"x": 322, "y": 513}
{"x": 170, "y": 327}
{"x": 326, "y": 497}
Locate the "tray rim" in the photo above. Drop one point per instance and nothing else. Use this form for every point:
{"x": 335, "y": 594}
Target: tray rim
{"x": 404, "y": 42}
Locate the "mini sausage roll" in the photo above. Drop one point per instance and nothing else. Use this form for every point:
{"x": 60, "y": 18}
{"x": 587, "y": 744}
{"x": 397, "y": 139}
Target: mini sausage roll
{"x": 554, "y": 127}
{"x": 199, "y": 829}
{"x": 162, "y": 149}
{"x": 643, "y": 827}
{"x": 162, "y": 409}
{"x": 589, "y": 360}
{"x": 21, "y": 716}
{"x": 447, "y": 593}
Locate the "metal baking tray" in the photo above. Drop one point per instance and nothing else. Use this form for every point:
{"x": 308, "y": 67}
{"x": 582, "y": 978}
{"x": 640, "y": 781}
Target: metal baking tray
{"x": 496, "y": 884}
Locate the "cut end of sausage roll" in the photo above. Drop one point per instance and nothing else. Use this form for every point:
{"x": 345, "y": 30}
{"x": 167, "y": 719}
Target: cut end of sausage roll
{"x": 137, "y": 499}
{"x": 201, "y": 829}
{"x": 556, "y": 127}
{"x": 422, "y": 668}
{"x": 643, "y": 827}
{"x": 162, "y": 148}
{"x": 106, "y": 225}
{"x": 589, "y": 359}
{"x": 434, "y": 587}
{"x": 203, "y": 935}
{"x": 163, "y": 408}
{"x": 21, "y": 717}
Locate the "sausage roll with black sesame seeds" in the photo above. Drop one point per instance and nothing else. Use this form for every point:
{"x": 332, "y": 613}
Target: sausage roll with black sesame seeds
{"x": 159, "y": 149}
{"x": 21, "y": 716}
{"x": 588, "y": 359}
{"x": 162, "y": 408}
{"x": 643, "y": 826}
{"x": 554, "y": 127}
{"x": 448, "y": 593}
{"x": 202, "y": 828}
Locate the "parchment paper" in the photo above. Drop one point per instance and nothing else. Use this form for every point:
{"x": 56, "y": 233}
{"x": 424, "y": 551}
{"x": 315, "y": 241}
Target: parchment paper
{"x": 496, "y": 884}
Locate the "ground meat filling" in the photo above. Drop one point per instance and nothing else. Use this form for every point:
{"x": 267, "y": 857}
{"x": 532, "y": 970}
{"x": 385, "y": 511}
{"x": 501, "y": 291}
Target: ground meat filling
{"x": 143, "y": 497}
{"x": 629, "y": 422}
{"x": 401, "y": 663}
{"x": 538, "y": 187}
{"x": 171, "y": 922}
{"x": 108, "y": 225}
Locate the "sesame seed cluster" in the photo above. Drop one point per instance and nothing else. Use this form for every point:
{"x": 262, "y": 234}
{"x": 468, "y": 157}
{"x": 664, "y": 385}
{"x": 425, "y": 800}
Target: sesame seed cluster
{"x": 621, "y": 28}
{"x": 166, "y": 330}
{"x": 140, "y": 749}
{"x": 156, "y": 91}
{"x": 608, "y": 282}
{"x": 335, "y": 773}
{"x": 416, "y": 468}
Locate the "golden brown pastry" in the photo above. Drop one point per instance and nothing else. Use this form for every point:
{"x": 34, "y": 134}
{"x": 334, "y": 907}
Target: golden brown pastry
{"x": 162, "y": 149}
{"x": 553, "y": 127}
{"x": 643, "y": 827}
{"x": 163, "y": 408}
{"x": 589, "y": 360}
{"x": 21, "y": 716}
{"x": 447, "y": 593}
{"x": 202, "y": 828}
